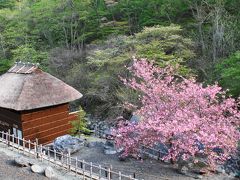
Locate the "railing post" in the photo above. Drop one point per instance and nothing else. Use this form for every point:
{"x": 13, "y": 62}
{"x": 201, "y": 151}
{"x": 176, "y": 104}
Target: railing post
{"x": 119, "y": 176}
{"x": 23, "y": 145}
{"x": 83, "y": 162}
{"x": 37, "y": 148}
{"x": 18, "y": 142}
{"x": 109, "y": 173}
{"x": 62, "y": 158}
{"x": 91, "y": 170}
{"x": 29, "y": 146}
{"x": 100, "y": 172}
{"x": 76, "y": 166}
{"x": 69, "y": 161}
{"x": 41, "y": 154}
{"x": 13, "y": 139}
{"x": 48, "y": 154}
{"x": 8, "y": 139}
{"x": 55, "y": 155}
{"x": 2, "y": 135}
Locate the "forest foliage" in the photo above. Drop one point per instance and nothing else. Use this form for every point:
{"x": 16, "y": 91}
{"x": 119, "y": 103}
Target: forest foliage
{"x": 88, "y": 43}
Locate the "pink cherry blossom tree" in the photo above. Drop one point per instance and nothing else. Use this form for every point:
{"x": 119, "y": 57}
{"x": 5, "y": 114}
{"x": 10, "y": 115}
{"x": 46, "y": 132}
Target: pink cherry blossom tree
{"x": 179, "y": 113}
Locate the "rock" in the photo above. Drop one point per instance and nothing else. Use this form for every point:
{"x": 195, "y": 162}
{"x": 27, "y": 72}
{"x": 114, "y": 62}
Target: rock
{"x": 201, "y": 163}
{"x": 163, "y": 149}
{"x": 110, "y": 143}
{"x": 104, "y": 19}
{"x": 135, "y": 119}
{"x": 109, "y": 150}
{"x": 198, "y": 177}
{"x": 49, "y": 172}
{"x": 37, "y": 169}
{"x": 183, "y": 170}
{"x": 122, "y": 158}
{"x": 219, "y": 170}
{"x": 67, "y": 144}
{"x": 95, "y": 144}
{"x": 107, "y": 133}
{"x": 21, "y": 161}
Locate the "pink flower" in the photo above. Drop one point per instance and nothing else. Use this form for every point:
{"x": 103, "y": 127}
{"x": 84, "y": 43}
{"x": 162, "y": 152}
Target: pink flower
{"x": 179, "y": 113}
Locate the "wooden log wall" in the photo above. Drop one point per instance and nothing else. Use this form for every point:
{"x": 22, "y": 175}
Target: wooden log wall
{"x": 47, "y": 123}
{"x": 10, "y": 119}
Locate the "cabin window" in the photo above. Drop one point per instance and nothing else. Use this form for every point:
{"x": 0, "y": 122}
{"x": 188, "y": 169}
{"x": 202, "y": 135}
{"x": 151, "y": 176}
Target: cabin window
{"x": 19, "y": 134}
{"x": 15, "y": 132}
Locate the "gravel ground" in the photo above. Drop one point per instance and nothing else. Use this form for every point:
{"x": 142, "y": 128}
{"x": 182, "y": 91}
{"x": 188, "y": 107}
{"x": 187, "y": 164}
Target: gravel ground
{"x": 9, "y": 171}
{"x": 147, "y": 169}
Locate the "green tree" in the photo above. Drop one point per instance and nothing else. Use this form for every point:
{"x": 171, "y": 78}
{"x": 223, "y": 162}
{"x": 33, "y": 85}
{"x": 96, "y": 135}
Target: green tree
{"x": 4, "y": 65}
{"x": 166, "y": 46}
{"x": 26, "y": 53}
{"x": 80, "y": 125}
{"x": 229, "y": 72}
{"x": 107, "y": 62}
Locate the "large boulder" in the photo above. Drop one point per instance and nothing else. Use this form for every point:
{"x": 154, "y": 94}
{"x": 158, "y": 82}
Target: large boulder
{"x": 37, "y": 169}
{"x": 94, "y": 144}
{"x": 109, "y": 150}
{"x": 49, "y": 172}
{"x": 109, "y": 147}
{"x": 67, "y": 144}
{"x": 135, "y": 118}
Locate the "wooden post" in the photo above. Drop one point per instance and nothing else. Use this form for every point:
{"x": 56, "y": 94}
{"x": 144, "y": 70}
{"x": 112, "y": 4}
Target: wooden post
{"x": 106, "y": 173}
{"x": 9, "y": 132}
{"x": 83, "y": 162}
{"x": 55, "y": 156}
{"x": 134, "y": 175}
{"x": 18, "y": 142}
{"x": 29, "y": 146}
{"x": 109, "y": 173}
{"x": 37, "y": 148}
{"x": 100, "y": 172}
{"x": 91, "y": 170}
{"x": 48, "y": 154}
{"x": 76, "y": 166}
{"x": 41, "y": 155}
{"x": 69, "y": 161}
{"x": 23, "y": 145}
{"x": 119, "y": 176}
{"x": 13, "y": 139}
{"x": 2, "y": 136}
{"x": 62, "y": 158}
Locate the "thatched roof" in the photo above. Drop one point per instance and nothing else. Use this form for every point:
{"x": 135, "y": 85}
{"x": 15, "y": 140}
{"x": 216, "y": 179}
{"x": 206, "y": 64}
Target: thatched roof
{"x": 26, "y": 87}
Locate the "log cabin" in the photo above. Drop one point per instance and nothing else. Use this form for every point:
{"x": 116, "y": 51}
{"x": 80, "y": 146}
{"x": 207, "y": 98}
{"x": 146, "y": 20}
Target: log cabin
{"x": 34, "y": 104}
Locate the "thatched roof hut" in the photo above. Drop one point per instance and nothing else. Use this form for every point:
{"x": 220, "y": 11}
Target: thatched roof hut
{"x": 34, "y": 104}
{"x": 26, "y": 87}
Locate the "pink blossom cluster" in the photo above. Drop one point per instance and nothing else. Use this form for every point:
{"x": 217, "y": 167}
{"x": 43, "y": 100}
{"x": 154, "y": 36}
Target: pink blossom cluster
{"x": 180, "y": 113}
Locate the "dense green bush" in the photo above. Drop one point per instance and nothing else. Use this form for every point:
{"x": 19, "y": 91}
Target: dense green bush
{"x": 229, "y": 72}
{"x": 80, "y": 125}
